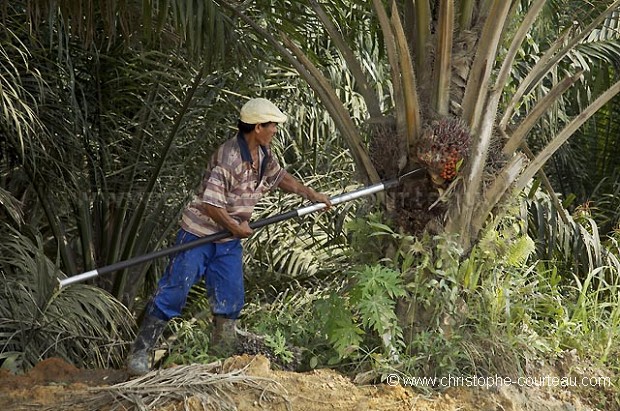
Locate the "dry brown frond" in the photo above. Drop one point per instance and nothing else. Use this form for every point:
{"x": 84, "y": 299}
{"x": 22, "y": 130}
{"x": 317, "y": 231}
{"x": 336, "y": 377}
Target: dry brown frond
{"x": 196, "y": 387}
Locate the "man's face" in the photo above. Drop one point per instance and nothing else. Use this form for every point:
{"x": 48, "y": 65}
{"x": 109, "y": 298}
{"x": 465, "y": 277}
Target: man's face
{"x": 266, "y": 132}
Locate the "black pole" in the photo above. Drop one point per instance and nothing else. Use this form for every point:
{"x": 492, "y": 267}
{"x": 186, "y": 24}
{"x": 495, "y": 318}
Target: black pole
{"x": 375, "y": 188}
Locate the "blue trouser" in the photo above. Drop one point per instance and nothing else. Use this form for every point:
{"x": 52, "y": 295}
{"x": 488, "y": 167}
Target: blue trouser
{"x": 219, "y": 264}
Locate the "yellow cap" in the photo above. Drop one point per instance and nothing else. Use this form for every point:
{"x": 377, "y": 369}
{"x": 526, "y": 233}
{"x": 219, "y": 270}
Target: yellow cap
{"x": 261, "y": 110}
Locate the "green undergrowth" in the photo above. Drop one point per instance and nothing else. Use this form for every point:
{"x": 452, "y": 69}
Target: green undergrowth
{"x": 419, "y": 307}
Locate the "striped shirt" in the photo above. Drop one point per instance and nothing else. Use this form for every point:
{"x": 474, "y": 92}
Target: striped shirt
{"x": 232, "y": 183}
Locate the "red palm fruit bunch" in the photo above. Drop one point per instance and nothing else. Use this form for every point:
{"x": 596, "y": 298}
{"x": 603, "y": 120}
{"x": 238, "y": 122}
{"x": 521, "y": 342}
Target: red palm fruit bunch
{"x": 443, "y": 146}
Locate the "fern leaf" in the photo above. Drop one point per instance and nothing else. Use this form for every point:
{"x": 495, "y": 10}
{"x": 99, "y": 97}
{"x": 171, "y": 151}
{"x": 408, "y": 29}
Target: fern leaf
{"x": 520, "y": 251}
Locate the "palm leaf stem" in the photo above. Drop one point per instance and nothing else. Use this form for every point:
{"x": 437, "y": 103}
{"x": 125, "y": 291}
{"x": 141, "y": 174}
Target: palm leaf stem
{"x": 477, "y": 88}
{"x": 473, "y": 177}
{"x": 481, "y": 118}
{"x": 466, "y": 14}
{"x": 515, "y": 44}
{"x": 62, "y": 241}
{"x": 393, "y": 58}
{"x": 412, "y": 103}
{"x": 423, "y": 32}
{"x": 85, "y": 227}
{"x": 443, "y": 68}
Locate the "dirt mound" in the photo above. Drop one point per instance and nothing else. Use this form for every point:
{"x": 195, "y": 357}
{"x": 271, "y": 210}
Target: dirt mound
{"x": 55, "y": 385}
{"x": 49, "y": 383}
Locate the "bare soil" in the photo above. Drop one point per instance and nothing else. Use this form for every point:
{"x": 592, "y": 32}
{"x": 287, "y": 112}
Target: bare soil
{"x": 55, "y": 385}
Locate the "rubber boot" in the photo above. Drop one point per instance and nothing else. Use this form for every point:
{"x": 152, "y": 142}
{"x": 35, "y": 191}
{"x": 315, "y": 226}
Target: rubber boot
{"x": 223, "y": 337}
{"x": 150, "y": 331}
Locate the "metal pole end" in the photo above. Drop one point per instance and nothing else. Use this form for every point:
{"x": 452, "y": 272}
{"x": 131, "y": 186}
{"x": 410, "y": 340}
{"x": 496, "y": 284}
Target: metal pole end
{"x": 78, "y": 278}
{"x": 415, "y": 170}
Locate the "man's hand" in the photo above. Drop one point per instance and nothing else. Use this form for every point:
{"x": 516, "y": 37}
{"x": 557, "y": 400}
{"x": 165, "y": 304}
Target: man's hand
{"x": 291, "y": 185}
{"x": 242, "y": 230}
{"x": 316, "y": 197}
{"x": 220, "y": 216}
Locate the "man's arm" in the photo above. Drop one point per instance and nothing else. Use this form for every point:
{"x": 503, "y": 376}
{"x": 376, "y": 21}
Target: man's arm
{"x": 291, "y": 185}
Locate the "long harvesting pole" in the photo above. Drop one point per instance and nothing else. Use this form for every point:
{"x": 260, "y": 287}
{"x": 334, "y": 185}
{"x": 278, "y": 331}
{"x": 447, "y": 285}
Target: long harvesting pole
{"x": 220, "y": 235}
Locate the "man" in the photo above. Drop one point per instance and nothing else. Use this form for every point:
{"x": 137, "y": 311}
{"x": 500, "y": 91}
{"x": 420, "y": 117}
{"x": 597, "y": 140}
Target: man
{"x": 240, "y": 172}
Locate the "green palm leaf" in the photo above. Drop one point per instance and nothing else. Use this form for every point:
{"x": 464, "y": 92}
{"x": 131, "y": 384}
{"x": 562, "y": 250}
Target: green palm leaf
{"x": 81, "y": 324}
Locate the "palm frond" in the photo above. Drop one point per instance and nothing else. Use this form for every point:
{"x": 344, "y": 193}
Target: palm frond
{"x": 352, "y": 62}
{"x": 565, "y": 134}
{"x": 576, "y": 246}
{"x": 11, "y": 206}
{"x": 19, "y": 120}
{"x": 558, "y": 51}
{"x": 198, "y": 384}
{"x": 81, "y": 324}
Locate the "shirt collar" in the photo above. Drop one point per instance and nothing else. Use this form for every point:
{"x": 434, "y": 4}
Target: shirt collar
{"x": 245, "y": 150}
